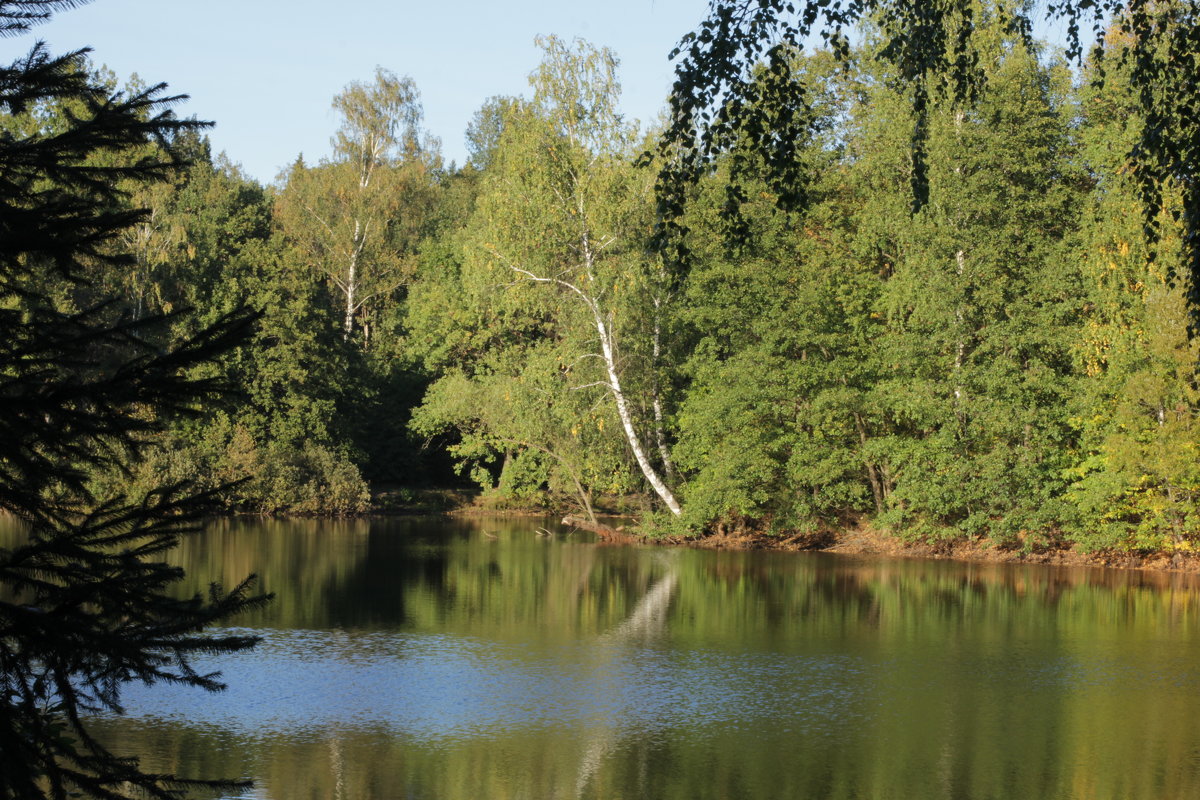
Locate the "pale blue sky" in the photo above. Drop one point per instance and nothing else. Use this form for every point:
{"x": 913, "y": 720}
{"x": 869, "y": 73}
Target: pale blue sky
{"x": 265, "y": 70}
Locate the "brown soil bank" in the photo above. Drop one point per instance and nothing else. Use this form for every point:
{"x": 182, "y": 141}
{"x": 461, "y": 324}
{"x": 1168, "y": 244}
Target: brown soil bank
{"x": 861, "y": 539}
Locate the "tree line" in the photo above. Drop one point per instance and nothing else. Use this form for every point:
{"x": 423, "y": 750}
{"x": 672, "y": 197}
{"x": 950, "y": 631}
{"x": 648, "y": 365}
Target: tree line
{"x": 1011, "y": 361}
{"x": 930, "y": 277}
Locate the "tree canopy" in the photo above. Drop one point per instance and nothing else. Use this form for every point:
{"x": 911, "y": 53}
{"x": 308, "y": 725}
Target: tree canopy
{"x": 733, "y": 84}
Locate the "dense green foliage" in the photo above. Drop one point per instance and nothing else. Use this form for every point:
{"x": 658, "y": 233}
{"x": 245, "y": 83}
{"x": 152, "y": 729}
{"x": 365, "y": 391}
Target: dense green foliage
{"x": 1010, "y": 362}
{"x": 933, "y": 279}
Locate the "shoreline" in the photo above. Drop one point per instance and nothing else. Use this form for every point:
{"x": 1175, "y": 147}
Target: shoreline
{"x": 855, "y": 538}
{"x": 861, "y": 539}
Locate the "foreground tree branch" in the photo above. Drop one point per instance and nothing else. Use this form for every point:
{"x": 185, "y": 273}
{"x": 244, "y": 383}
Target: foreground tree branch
{"x": 87, "y": 598}
{"x": 734, "y": 89}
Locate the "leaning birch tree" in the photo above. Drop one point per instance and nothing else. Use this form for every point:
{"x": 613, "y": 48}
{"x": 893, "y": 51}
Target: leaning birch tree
{"x": 565, "y": 210}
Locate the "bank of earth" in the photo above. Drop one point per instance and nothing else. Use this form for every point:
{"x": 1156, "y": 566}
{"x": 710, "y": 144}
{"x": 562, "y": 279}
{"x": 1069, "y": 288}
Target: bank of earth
{"x": 859, "y": 538}
{"x": 850, "y": 536}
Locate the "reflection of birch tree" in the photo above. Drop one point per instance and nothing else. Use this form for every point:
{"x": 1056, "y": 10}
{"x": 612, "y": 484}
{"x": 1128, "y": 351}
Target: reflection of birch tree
{"x": 646, "y": 622}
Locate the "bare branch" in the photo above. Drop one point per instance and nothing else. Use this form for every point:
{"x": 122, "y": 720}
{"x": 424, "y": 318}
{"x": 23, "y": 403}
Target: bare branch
{"x": 605, "y": 384}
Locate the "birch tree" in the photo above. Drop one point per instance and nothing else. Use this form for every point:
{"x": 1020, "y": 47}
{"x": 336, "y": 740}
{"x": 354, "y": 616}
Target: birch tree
{"x": 356, "y": 216}
{"x": 565, "y": 204}
{"x": 552, "y": 307}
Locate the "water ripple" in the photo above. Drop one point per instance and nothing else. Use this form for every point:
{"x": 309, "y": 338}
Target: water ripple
{"x": 432, "y": 686}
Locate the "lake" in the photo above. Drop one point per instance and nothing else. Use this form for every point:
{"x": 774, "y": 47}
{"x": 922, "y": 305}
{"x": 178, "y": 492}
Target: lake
{"x": 480, "y": 658}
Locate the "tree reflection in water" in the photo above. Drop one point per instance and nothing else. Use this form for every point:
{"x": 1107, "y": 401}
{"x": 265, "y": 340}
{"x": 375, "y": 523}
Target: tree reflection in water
{"x": 425, "y": 659}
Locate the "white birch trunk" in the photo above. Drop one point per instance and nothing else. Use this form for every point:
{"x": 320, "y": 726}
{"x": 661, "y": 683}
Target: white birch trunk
{"x": 352, "y": 279}
{"x": 635, "y": 442}
{"x": 608, "y": 355}
{"x": 614, "y": 384}
{"x": 960, "y": 345}
{"x": 368, "y": 158}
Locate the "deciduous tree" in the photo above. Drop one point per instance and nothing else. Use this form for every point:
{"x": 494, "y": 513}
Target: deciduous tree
{"x": 356, "y": 217}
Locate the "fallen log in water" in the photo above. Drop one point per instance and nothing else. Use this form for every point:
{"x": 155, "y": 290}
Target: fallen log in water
{"x": 605, "y": 532}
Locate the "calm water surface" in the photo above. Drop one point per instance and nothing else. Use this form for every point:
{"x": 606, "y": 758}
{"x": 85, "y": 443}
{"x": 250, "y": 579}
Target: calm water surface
{"x": 477, "y": 659}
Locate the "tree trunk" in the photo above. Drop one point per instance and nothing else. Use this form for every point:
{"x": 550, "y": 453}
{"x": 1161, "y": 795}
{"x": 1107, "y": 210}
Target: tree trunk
{"x": 960, "y": 345}
{"x": 352, "y": 284}
{"x": 660, "y": 433}
{"x": 872, "y": 473}
{"x": 635, "y": 442}
{"x": 614, "y": 381}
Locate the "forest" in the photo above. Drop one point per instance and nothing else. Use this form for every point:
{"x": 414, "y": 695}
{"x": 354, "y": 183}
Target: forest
{"x": 1010, "y": 364}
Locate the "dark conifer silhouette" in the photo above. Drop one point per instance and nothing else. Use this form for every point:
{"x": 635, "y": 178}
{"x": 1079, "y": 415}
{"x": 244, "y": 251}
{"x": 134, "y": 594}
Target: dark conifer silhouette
{"x": 84, "y": 597}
